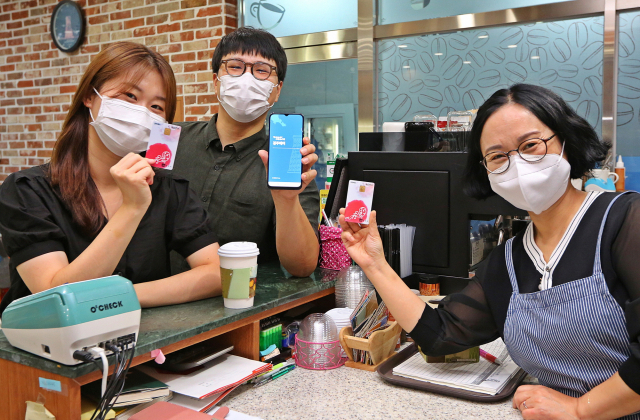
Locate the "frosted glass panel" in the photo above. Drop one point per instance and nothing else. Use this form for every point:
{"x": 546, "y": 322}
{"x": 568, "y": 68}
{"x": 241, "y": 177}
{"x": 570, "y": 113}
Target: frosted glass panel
{"x": 395, "y": 11}
{"x": 628, "y": 131}
{"x": 439, "y": 73}
{"x": 295, "y": 17}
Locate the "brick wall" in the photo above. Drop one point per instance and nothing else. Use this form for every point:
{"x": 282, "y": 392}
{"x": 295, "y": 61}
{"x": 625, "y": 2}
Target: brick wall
{"x": 37, "y": 80}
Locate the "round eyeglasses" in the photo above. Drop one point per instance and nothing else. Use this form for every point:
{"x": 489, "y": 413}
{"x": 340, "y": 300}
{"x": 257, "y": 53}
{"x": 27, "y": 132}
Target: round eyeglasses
{"x": 531, "y": 150}
{"x": 259, "y": 70}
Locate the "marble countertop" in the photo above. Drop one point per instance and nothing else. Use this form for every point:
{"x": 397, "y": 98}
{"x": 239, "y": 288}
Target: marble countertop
{"x": 349, "y": 394}
{"x": 166, "y": 325}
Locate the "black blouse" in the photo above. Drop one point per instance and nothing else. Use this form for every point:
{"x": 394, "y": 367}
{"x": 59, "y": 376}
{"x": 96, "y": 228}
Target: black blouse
{"x": 35, "y": 221}
{"x": 477, "y": 314}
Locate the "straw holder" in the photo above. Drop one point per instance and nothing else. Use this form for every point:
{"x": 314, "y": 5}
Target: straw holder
{"x": 380, "y": 345}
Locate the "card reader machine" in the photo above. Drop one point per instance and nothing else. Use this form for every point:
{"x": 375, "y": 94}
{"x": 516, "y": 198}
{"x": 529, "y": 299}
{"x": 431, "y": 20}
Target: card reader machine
{"x": 75, "y": 316}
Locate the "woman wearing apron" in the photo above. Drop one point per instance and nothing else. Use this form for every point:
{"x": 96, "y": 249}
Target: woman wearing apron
{"x": 565, "y": 294}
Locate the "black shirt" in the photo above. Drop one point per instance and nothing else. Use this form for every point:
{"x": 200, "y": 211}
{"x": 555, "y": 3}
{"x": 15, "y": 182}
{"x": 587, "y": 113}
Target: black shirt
{"x": 477, "y": 314}
{"x": 233, "y": 184}
{"x": 35, "y": 221}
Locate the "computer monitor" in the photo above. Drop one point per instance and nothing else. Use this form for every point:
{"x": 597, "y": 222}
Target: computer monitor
{"x": 424, "y": 189}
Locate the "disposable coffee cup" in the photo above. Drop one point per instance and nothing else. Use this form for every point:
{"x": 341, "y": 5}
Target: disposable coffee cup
{"x": 238, "y": 271}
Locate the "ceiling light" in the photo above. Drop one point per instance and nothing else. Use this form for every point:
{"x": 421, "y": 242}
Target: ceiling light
{"x": 437, "y": 54}
{"x": 512, "y": 46}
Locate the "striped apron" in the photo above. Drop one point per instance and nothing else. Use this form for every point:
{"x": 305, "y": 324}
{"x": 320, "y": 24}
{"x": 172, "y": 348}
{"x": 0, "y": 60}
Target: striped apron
{"x": 572, "y": 337}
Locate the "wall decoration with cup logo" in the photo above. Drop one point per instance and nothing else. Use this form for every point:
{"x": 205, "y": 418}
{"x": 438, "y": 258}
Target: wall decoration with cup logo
{"x": 459, "y": 71}
{"x": 264, "y": 10}
{"x": 294, "y": 17}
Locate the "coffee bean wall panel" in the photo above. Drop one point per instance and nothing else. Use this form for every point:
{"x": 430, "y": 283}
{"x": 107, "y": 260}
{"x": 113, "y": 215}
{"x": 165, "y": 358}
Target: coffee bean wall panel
{"x": 628, "y": 121}
{"x": 458, "y": 71}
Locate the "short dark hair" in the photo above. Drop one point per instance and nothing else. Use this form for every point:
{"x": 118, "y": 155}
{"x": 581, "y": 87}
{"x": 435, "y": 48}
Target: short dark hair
{"x": 581, "y": 143}
{"x": 248, "y": 40}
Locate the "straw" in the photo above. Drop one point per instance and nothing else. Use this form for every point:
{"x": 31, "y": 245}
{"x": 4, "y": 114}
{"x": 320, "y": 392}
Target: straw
{"x": 326, "y": 219}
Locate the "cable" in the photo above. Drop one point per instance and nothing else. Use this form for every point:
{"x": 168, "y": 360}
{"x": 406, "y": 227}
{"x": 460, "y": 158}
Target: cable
{"x": 99, "y": 352}
{"x": 124, "y": 358}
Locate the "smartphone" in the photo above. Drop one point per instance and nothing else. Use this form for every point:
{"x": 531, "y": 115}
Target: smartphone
{"x": 284, "y": 171}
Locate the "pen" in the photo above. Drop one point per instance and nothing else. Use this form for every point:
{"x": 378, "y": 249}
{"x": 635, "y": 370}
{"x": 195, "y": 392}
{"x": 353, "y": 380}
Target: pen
{"x": 274, "y": 370}
{"x": 278, "y": 366}
{"x": 490, "y": 357}
{"x": 276, "y": 376}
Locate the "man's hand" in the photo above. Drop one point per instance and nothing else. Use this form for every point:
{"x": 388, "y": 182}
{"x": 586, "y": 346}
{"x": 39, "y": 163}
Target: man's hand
{"x": 309, "y": 158}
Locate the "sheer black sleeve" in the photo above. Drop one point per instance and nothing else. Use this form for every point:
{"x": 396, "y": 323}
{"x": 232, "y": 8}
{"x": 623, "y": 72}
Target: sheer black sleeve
{"x": 462, "y": 321}
{"x": 27, "y": 225}
{"x": 626, "y": 261}
{"x": 189, "y": 229}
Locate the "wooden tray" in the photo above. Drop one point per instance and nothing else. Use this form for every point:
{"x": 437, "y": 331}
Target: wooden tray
{"x": 381, "y": 345}
{"x": 385, "y": 370}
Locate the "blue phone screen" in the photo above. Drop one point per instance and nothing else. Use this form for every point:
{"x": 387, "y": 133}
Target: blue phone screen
{"x": 285, "y": 136}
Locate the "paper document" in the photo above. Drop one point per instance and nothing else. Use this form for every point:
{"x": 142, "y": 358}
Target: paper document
{"x": 235, "y": 415}
{"x": 484, "y": 377}
{"x": 216, "y": 376}
{"x": 201, "y": 404}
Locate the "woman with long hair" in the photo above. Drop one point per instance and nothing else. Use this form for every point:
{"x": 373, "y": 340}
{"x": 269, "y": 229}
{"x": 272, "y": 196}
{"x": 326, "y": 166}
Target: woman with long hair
{"x": 99, "y": 208}
{"x": 564, "y": 295}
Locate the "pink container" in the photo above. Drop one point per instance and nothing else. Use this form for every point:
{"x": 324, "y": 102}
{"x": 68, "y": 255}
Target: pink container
{"x": 318, "y": 356}
{"x": 333, "y": 254}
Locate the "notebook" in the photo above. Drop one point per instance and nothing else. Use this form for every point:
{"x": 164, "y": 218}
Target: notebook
{"x": 484, "y": 377}
{"x": 220, "y": 374}
{"x": 124, "y": 413}
{"x": 138, "y": 388}
{"x": 88, "y": 407}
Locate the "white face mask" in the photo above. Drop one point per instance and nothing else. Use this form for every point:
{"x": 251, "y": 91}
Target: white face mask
{"x": 245, "y": 98}
{"x": 123, "y": 127}
{"x": 532, "y": 186}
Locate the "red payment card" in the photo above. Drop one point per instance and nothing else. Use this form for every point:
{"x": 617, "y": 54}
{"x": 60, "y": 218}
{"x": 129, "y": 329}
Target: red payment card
{"x": 163, "y": 143}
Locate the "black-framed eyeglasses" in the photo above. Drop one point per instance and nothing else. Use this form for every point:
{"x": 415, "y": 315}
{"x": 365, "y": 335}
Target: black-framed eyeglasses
{"x": 531, "y": 150}
{"x": 236, "y": 68}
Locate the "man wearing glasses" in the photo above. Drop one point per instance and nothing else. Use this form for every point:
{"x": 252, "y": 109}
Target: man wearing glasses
{"x": 224, "y": 159}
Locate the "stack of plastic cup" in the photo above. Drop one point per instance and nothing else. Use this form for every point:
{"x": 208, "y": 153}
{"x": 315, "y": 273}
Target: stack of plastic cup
{"x": 351, "y": 284}
{"x": 318, "y": 328}
{"x": 341, "y": 317}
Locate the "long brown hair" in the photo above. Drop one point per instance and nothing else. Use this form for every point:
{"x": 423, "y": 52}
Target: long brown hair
{"x": 69, "y": 168}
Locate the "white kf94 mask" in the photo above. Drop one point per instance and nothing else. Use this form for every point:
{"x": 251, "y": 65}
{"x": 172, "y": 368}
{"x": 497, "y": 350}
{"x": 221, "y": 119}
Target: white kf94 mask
{"x": 532, "y": 186}
{"x": 245, "y": 98}
{"x": 123, "y": 127}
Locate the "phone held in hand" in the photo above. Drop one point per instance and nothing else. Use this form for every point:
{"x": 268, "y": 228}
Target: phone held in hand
{"x": 284, "y": 170}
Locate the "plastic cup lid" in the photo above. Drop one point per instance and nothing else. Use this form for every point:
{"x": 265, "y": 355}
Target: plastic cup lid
{"x": 239, "y": 249}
